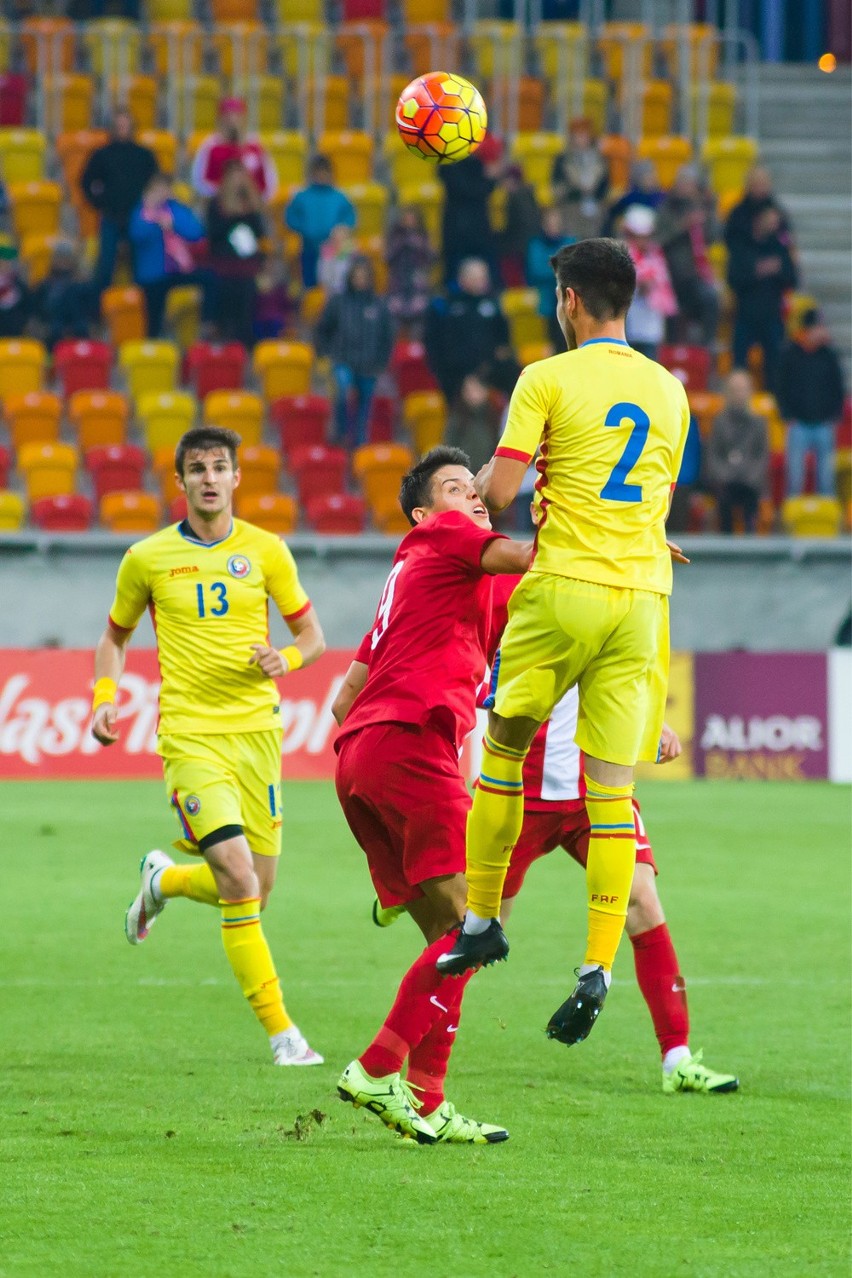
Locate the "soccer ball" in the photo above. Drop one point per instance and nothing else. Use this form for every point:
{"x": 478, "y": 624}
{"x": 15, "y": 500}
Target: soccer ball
{"x": 441, "y": 117}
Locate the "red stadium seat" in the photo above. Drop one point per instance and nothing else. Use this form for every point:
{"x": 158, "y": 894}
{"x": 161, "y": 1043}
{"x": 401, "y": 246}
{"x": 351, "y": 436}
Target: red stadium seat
{"x": 300, "y": 420}
{"x": 115, "y": 468}
{"x": 209, "y": 366}
{"x": 71, "y": 512}
{"x": 5, "y": 466}
{"x": 82, "y": 365}
{"x": 408, "y": 364}
{"x": 690, "y": 364}
{"x": 844, "y": 430}
{"x": 319, "y": 472}
{"x": 13, "y": 101}
{"x": 177, "y": 509}
{"x": 380, "y": 425}
{"x": 337, "y": 513}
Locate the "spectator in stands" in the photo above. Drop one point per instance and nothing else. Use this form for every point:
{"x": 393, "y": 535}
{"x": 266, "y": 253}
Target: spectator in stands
{"x": 685, "y": 228}
{"x": 466, "y": 226}
{"x": 474, "y": 421}
{"x": 654, "y": 302}
{"x": 61, "y": 303}
{"x": 314, "y": 211}
{"x": 162, "y": 231}
{"x": 274, "y": 311}
{"x": 736, "y": 456}
{"x": 644, "y": 190}
{"x": 112, "y": 182}
{"x": 467, "y": 332}
{"x": 410, "y": 258}
{"x": 523, "y": 221}
{"x": 15, "y": 300}
{"x": 759, "y": 192}
{"x": 810, "y": 397}
{"x": 231, "y": 143}
{"x": 335, "y": 259}
{"x": 760, "y": 271}
{"x": 355, "y": 331}
{"x": 540, "y": 273}
{"x": 580, "y": 181}
{"x": 235, "y": 229}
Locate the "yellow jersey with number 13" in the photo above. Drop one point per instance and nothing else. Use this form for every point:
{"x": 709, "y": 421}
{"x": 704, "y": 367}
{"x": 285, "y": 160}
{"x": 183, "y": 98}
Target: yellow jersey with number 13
{"x": 209, "y": 604}
{"x": 612, "y": 428}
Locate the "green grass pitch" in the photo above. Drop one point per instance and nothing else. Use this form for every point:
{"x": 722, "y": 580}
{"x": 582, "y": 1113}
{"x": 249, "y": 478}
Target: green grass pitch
{"x": 145, "y": 1130}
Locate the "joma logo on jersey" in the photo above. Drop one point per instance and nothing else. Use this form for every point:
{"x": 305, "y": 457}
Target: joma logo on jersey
{"x": 239, "y": 566}
{"x": 182, "y": 572}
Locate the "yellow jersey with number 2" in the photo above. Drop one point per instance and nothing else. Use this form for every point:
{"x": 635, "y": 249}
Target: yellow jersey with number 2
{"x": 209, "y": 603}
{"x": 612, "y": 427}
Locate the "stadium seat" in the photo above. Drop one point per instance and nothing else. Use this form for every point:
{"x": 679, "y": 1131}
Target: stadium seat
{"x": 434, "y": 43}
{"x": 163, "y": 466}
{"x": 532, "y": 352}
{"x": 424, "y": 415}
{"x": 113, "y": 46}
{"x": 311, "y": 305}
{"x": 13, "y": 100}
{"x": 35, "y": 207}
{"x": 234, "y": 10}
{"x": 319, "y": 471}
{"x": 12, "y": 511}
{"x": 536, "y": 152}
{"x": 812, "y": 516}
{"x": 379, "y": 469}
{"x": 276, "y": 512}
{"x": 81, "y": 365}
{"x": 70, "y": 98}
{"x": 284, "y": 368}
{"x": 373, "y": 248}
{"x": 22, "y": 154}
{"x": 73, "y": 150}
{"x": 713, "y": 109}
{"x": 695, "y": 41}
{"x": 520, "y": 306}
{"x": 667, "y": 154}
{"x": 269, "y": 90}
{"x": 690, "y": 364}
{"x": 176, "y": 509}
{"x": 48, "y": 469}
{"x": 115, "y": 468}
{"x": 140, "y": 94}
{"x": 241, "y": 411}
{"x": 337, "y": 514}
{"x": 704, "y": 406}
{"x": 164, "y": 416}
{"x": 163, "y": 144}
{"x": 62, "y": 512}
{"x": 562, "y": 49}
{"x": 614, "y": 43}
{"x": 33, "y": 417}
{"x": 656, "y": 106}
{"x": 22, "y": 364}
{"x": 392, "y": 520}
{"x": 130, "y": 511}
{"x": 198, "y": 100}
{"x": 404, "y": 165}
{"x": 177, "y": 48}
{"x": 596, "y": 103}
{"x": 351, "y": 154}
{"x": 169, "y": 10}
{"x": 371, "y": 206}
{"x": 288, "y": 45}
{"x": 300, "y": 420}
{"x": 47, "y": 44}
{"x": 260, "y": 467}
{"x": 359, "y": 45}
{"x": 211, "y": 367}
{"x": 5, "y": 466}
{"x": 381, "y": 421}
{"x": 328, "y": 104}
{"x": 148, "y": 366}
{"x": 289, "y": 150}
{"x": 301, "y": 11}
{"x": 765, "y": 405}
{"x": 241, "y": 48}
{"x": 490, "y": 42}
{"x": 727, "y": 161}
{"x": 618, "y": 153}
{"x": 36, "y": 254}
{"x": 124, "y": 314}
{"x": 183, "y": 314}
{"x": 99, "y": 418}
{"x": 409, "y": 367}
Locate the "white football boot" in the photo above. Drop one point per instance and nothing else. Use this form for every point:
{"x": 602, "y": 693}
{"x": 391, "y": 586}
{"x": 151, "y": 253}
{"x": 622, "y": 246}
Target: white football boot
{"x": 143, "y": 911}
{"x": 290, "y": 1047}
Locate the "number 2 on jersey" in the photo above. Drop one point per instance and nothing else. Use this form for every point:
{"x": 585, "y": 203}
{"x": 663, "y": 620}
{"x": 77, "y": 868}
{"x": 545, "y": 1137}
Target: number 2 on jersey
{"x": 220, "y": 607}
{"x": 615, "y": 488}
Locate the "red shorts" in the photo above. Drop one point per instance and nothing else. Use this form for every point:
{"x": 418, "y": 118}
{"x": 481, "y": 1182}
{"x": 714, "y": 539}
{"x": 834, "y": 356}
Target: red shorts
{"x": 406, "y": 803}
{"x": 544, "y": 831}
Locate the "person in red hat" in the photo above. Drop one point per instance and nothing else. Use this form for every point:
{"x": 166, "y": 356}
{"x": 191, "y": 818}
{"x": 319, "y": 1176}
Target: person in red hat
{"x": 232, "y": 143}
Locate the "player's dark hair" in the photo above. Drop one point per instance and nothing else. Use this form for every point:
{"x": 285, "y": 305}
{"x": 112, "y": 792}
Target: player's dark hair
{"x": 201, "y": 438}
{"x": 601, "y": 272}
{"x": 416, "y": 488}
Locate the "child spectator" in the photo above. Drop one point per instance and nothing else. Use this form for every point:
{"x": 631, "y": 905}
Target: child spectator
{"x": 62, "y": 301}
{"x": 737, "y": 456}
{"x": 810, "y": 396}
{"x": 274, "y": 311}
{"x": 410, "y": 258}
{"x": 314, "y": 211}
{"x": 474, "y": 421}
{"x": 335, "y": 259}
{"x": 540, "y": 273}
{"x": 235, "y": 229}
{"x": 655, "y": 301}
{"x": 15, "y": 299}
{"x": 580, "y": 181}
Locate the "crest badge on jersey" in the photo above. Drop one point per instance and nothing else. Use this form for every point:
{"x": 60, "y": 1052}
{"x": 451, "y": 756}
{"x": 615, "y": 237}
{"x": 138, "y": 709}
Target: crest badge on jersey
{"x": 192, "y": 805}
{"x": 239, "y": 566}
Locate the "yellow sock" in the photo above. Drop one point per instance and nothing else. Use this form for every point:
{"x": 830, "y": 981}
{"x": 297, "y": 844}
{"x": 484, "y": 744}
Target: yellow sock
{"x": 609, "y": 868}
{"x": 493, "y": 826}
{"x": 249, "y": 956}
{"x": 196, "y": 882}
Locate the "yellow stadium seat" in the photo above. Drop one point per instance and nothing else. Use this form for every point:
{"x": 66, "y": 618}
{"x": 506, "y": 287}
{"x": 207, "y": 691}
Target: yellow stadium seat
{"x": 269, "y": 90}
{"x": 177, "y": 48}
{"x": 260, "y": 466}
{"x": 532, "y": 352}
{"x": 656, "y": 108}
{"x": 562, "y": 49}
{"x": 371, "y": 206}
{"x": 183, "y": 314}
{"x": 535, "y": 152}
{"x": 32, "y": 418}
{"x": 140, "y": 94}
{"x": 704, "y": 406}
{"x": 113, "y": 45}
{"x": 169, "y": 10}
{"x": 132, "y": 511}
{"x": 124, "y": 312}
{"x": 667, "y": 154}
{"x": 765, "y": 406}
{"x": 70, "y": 98}
{"x": 615, "y": 43}
{"x": 596, "y": 103}
{"x": 99, "y": 418}
{"x": 22, "y": 153}
{"x": 391, "y": 519}
{"x": 728, "y": 161}
{"x": 428, "y": 197}
{"x": 198, "y": 104}
{"x": 5, "y": 45}
{"x": 48, "y": 469}
{"x": 284, "y": 368}
{"x": 713, "y": 109}
{"x": 276, "y": 512}
{"x": 490, "y": 43}
{"x": 425, "y": 11}
{"x": 148, "y": 366}
{"x": 351, "y": 154}
{"x": 300, "y": 11}
{"x": 405, "y": 166}
{"x": 163, "y": 466}
{"x": 12, "y": 511}
{"x": 520, "y": 306}
{"x": 289, "y": 150}
{"x": 241, "y": 411}
{"x": 697, "y": 41}
{"x": 163, "y": 144}
{"x": 37, "y": 255}
{"x": 424, "y": 415}
{"x": 618, "y": 153}
{"x": 379, "y": 469}
{"x": 311, "y": 305}
{"x": 164, "y": 416}
{"x": 73, "y": 150}
{"x": 291, "y": 45}
{"x": 36, "y": 207}
{"x": 241, "y": 48}
{"x": 22, "y": 365}
{"x": 334, "y": 102}
{"x": 812, "y": 516}
{"x": 48, "y": 45}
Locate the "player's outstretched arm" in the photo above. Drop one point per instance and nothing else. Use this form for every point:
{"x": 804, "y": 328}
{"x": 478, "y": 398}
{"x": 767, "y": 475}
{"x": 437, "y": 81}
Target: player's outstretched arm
{"x": 499, "y": 482}
{"x": 309, "y": 644}
{"x": 353, "y": 682}
{"x": 109, "y": 667}
{"x": 505, "y": 555}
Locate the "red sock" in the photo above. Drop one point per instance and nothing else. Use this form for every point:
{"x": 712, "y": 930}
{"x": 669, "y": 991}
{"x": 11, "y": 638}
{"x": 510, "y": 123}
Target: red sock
{"x": 428, "y": 1061}
{"x": 422, "y": 1000}
{"x": 662, "y": 986}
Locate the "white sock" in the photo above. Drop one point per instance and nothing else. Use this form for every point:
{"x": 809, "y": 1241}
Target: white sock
{"x": 474, "y": 925}
{"x": 585, "y": 968}
{"x": 673, "y": 1058}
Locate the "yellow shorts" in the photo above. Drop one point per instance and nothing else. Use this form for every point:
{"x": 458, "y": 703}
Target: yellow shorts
{"x": 613, "y": 643}
{"x": 216, "y": 782}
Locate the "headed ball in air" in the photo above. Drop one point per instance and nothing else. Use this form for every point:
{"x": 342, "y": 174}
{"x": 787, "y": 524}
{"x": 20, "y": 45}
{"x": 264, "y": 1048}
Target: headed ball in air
{"x": 441, "y": 117}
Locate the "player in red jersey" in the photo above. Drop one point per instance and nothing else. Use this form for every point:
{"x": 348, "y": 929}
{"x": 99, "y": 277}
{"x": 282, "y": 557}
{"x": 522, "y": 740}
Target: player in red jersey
{"x": 407, "y": 704}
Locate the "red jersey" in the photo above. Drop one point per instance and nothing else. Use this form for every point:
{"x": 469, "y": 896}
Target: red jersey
{"x": 215, "y": 153}
{"x": 427, "y": 650}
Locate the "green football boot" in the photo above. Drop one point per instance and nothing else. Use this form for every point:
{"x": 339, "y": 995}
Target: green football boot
{"x": 384, "y": 918}
{"x": 455, "y": 1129}
{"x": 389, "y": 1098}
{"x": 692, "y": 1076}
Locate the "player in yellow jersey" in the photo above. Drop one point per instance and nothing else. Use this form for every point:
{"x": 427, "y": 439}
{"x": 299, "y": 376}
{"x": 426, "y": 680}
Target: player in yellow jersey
{"x": 591, "y": 611}
{"x": 207, "y": 582}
